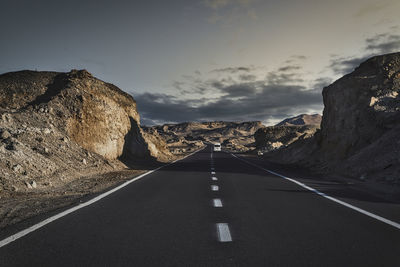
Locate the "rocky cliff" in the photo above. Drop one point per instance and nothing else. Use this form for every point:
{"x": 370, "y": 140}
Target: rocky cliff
{"x": 65, "y": 135}
{"x": 360, "y": 125}
{"x": 51, "y": 122}
{"x": 361, "y": 120}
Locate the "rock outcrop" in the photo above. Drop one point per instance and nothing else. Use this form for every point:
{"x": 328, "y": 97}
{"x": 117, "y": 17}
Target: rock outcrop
{"x": 58, "y": 126}
{"x": 361, "y": 120}
{"x": 361, "y": 107}
{"x": 287, "y": 132}
{"x": 96, "y": 115}
{"x": 360, "y": 125}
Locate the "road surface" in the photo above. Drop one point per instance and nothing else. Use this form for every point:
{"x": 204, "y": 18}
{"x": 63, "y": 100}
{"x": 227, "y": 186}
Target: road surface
{"x": 213, "y": 209}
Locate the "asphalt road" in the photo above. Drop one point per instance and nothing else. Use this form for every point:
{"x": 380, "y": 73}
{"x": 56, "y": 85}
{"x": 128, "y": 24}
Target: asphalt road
{"x": 181, "y": 216}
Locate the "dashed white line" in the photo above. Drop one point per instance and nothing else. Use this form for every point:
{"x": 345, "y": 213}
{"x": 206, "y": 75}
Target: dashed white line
{"x": 214, "y": 178}
{"x": 217, "y": 203}
{"x": 214, "y": 187}
{"x": 224, "y": 235}
{"x": 212, "y": 172}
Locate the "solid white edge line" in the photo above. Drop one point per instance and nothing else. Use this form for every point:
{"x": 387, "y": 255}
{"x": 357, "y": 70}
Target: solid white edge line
{"x": 370, "y": 214}
{"x": 82, "y": 205}
{"x": 224, "y": 235}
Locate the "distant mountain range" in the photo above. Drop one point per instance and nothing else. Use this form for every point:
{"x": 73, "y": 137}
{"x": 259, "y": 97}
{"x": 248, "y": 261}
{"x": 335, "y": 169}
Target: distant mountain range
{"x": 188, "y": 136}
{"x": 303, "y": 119}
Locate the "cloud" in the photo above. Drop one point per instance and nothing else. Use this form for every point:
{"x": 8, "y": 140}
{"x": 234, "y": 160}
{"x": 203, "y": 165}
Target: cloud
{"x": 343, "y": 65}
{"x": 247, "y": 77}
{"x": 228, "y": 11}
{"x": 216, "y": 4}
{"x": 235, "y": 94}
{"x": 383, "y": 43}
{"x": 270, "y": 102}
{"x": 296, "y": 58}
{"x": 233, "y": 69}
{"x": 289, "y": 68}
{"x": 377, "y": 45}
{"x": 373, "y": 8}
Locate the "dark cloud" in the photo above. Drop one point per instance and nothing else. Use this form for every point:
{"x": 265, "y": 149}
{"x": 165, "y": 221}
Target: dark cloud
{"x": 341, "y": 66}
{"x": 233, "y": 69}
{"x": 383, "y": 43}
{"x": 376, "y": 45}
{"x": 239, "y": 90}
{"x": 296, "y": 58}
{"x": 289, "y": 68}
{"x": 320, "y": 83}
{"x": 241, "y": 102}
{"x": 236, "y": 94}
{"x": 247, "y": 77}
{"x": 278, "y": 77}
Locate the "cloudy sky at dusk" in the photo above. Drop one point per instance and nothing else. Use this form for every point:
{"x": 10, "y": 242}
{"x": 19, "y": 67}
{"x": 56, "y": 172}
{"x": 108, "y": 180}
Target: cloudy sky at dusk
{"x": 182, "y": 60}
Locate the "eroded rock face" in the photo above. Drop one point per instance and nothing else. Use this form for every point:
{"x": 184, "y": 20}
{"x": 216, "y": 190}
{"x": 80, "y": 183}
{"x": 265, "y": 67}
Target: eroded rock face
{"x": 361, "y": 106}
{"x": 360, "y": 125}
{"x": 96, "y": 115}
{"x": 275, "y": 137}
{"x": 102, "y": 117}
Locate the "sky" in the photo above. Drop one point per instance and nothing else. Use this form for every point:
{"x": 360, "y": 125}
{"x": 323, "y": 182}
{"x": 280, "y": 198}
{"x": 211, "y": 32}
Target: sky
{"x": 203, "y": 60}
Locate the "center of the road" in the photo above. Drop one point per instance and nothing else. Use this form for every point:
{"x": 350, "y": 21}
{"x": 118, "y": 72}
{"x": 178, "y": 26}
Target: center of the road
{"x": 223, "y": 232}
{"x": 217, "y": 203}
{"x": 224, "y": 235}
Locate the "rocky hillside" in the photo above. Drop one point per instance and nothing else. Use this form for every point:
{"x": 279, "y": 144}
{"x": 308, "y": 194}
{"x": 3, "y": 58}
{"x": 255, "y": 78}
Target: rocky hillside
{"x": 287, "y": 132}
{"x": 188, "y": 136}
{"x": 58, "y": 127}
{"x": 303, "y": 119}
{"x": 361, "y": 120}
{"x": 360, "y": 124}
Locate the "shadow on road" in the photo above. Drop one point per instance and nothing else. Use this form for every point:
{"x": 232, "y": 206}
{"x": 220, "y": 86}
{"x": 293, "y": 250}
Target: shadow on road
{"x": 225, "y": 163}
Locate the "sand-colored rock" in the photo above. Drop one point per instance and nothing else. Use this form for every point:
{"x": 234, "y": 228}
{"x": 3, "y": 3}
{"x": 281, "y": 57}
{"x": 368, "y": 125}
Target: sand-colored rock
{"x": 275, "y": 137}
{"x": 65, "y": 135}
{"x": 360, "y": 125}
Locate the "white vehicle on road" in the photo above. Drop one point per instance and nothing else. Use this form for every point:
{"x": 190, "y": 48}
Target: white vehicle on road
{"x": 217, "y": 147}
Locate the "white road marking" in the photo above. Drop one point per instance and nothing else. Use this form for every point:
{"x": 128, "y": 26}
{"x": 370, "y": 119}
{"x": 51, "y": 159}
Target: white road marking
{"x": 82, "y": 205}
{"x": 214, "y": 187}
{"x": 224, "y": 235}
{"x": 217, "y": 203}
{"x": 370, "y": 214}
{"x": 214, "y": 178}
{"x": 212, "y": 172}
